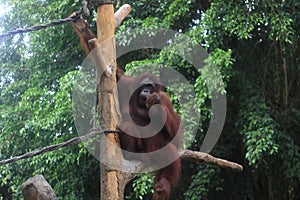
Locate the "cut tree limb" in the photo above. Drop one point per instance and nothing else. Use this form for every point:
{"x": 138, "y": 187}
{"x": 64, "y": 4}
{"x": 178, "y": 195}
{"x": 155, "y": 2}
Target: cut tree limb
{"x": 197, "y": 156}
{"x": 121, "y": 14}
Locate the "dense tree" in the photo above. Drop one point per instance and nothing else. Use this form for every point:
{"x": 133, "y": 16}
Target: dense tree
{"x": 254, "y": 44}
{"x": 37, "y": 75}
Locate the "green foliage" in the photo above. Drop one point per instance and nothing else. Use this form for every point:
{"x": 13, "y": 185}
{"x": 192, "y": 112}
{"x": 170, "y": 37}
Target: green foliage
{"x": 259, "y": 129}
{"x": 203, "y": 182}
{"x": 211, "y": 73}
{"x": 37, "y": 76}
{"x": 179, "y": 10}
{"x": 247, "y": 19}
{"x": 143, "y": 185}
{"x": 280, "y": 23}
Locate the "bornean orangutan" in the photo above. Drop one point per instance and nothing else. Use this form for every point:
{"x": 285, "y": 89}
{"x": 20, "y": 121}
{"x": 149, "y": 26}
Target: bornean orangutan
{"x": 135, "y": 137}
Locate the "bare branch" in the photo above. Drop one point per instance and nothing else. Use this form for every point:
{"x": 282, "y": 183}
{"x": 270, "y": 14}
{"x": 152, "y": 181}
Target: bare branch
{"x": 121, "y": 14}
{"x": 197, "y": 156}
{"x": 194, "y": 156}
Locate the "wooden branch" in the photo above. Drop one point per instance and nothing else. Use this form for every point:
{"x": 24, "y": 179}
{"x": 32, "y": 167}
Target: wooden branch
{"x": 197, "y": 156}
{"x": 194, "y": 156}
{"x": 121, "y": 14}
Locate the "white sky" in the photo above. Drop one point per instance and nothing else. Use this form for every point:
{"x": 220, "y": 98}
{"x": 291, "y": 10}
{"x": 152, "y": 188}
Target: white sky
{"x": 1, "y": 9}
{"x": 4, "y": 9}
{"x": 1, "y": 13}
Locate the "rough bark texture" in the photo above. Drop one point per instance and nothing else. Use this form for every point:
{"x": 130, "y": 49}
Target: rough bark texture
{"x": 108, "y": 99}
{"x": 37, "y": 188}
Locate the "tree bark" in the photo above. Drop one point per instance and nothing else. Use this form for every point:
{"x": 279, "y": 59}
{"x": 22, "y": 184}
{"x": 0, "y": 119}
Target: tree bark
{"x": 108, "y": 105}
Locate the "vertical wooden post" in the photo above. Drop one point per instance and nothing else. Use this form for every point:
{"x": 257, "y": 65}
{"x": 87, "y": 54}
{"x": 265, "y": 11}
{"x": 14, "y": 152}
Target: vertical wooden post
{"x": 108, "y": 101}
{"x": 112, "y": 182}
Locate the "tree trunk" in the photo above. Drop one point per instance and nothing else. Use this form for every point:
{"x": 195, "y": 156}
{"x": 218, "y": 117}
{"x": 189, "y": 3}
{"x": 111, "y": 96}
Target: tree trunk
{"x": 108, "y": 100}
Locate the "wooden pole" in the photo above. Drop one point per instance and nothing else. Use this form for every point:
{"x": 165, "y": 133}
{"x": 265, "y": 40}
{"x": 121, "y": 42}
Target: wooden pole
{"x": 108, "y": 100}
{"x": 112, "y": 182}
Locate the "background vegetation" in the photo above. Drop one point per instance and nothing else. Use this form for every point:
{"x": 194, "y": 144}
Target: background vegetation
{"x": 255, "y": 44}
